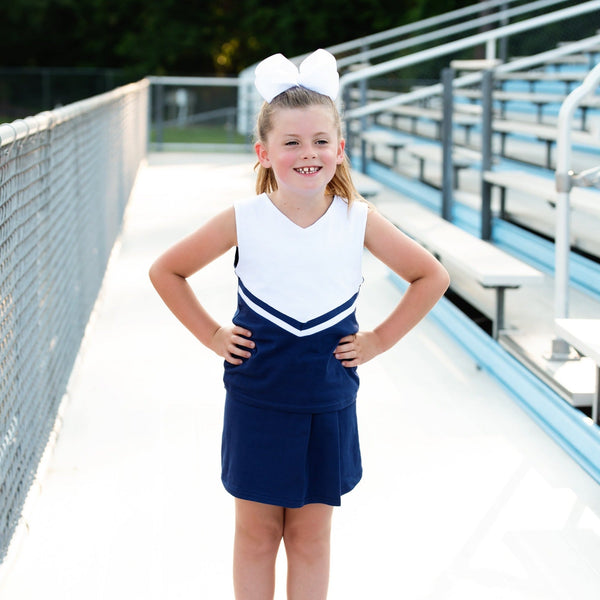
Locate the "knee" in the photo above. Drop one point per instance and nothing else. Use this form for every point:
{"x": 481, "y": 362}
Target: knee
{"x": 310, "y": 543}
{"x": 259, "y": 537}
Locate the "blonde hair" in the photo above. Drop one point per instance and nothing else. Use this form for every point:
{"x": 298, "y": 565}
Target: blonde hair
{"x": 299, "y": 97}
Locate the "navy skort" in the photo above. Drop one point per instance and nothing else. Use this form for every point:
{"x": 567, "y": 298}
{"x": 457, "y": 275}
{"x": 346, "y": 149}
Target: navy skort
{"x": 289, "y": 459}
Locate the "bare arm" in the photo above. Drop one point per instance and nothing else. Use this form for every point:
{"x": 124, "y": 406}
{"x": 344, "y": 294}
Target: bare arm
{"x": 169, "y": 275}
{"x": 428, "y": 281}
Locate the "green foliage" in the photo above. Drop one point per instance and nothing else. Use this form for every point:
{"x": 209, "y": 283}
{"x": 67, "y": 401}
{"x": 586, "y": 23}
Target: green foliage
{"x": 294, "y": 29}
{"x": 183, "y": 36}
{"x": 195, "y": 37}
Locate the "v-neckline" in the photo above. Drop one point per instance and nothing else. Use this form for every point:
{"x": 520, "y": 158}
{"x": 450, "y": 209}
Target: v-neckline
{"x": 292, "y": 222}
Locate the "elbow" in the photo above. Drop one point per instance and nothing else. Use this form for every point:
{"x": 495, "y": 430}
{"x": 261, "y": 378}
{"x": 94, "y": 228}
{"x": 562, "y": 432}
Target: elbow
{"x": 152, "y": 273}
{"x": 444, "y": 278}
{"x": 162, "y": 277}
{"x": 155, "y": 274}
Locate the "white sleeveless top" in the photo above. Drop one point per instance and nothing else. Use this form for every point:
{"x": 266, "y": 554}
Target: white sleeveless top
{"x": 297, "y": 294}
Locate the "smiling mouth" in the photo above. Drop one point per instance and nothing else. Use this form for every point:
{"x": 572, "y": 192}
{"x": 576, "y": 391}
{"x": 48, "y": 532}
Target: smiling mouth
{"x": 307, "y": 170}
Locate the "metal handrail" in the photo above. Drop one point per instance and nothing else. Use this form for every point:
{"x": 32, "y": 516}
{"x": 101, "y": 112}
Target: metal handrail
{"x": 444, "y": 49}
{"x": 459, "y": 28}
{"x": 21, "y": 128}
{"x": 184, "y": 80}
{"x": 411, "y": 28}
{"x": 564, "y": 182}
{"x": 587, "y": 178}
{"x": 472, "y": 78}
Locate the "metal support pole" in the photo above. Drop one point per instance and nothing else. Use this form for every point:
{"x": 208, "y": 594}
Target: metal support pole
{"x": 447, "y": 144}
{"x": 363, "y": 155}
{"x": 158, "y": 114}
{"x": 486, "y": 154}
{"x": 562, "y": 241}
{"x": 349, "y": 134}
{"x": 490, "y": 49}
{"x": 503, "y": 41}
{"x": 498, "y": 324}
{"x": 364, "y": 89}
{"x": 562, "y": 249}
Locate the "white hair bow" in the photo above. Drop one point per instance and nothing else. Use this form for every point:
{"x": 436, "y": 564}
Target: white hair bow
{"x": 317, "y": 72}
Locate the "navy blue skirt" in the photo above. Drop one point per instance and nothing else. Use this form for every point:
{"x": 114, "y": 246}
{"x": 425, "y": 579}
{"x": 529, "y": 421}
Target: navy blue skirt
{"x": 289, "y": 459}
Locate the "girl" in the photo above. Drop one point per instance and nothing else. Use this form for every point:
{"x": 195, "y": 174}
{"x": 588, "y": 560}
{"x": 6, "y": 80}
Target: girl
{"x": 290, "y": 442}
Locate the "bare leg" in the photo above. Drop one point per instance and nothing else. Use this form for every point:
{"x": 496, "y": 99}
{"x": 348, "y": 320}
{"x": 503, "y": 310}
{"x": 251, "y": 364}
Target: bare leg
{"x": 258, "y": 533}
{"x": 307, "y": 534}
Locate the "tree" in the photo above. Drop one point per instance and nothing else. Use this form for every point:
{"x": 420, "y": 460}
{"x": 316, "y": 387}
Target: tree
{"x": 182, "y": 36}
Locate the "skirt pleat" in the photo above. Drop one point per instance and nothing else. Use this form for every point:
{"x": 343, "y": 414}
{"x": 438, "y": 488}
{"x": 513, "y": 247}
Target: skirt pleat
{"x": 289, "y": 459}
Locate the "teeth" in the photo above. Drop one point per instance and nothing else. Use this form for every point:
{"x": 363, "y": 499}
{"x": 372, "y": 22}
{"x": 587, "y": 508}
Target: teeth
{"x": 307, "y": 170}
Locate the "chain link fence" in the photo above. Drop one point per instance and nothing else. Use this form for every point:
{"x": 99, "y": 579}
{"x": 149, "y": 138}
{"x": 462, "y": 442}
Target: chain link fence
{"x": 65, "y": 178}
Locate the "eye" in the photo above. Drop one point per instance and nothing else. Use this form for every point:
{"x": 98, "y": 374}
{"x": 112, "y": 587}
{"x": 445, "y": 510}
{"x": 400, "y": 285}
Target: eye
{"x": 322, "y": 142}
{"x": 291, "y": 143}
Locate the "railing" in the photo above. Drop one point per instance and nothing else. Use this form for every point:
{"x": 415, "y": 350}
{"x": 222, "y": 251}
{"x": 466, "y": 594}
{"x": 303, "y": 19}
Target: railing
{"x": 449, "y": 48}
{"x": 423, "y": 94}
{"x": 565, "y": 179}
{"x": 487, "y": 79}
{"x": 183, "y": 106}
{"x": 65, "y": 178}
{"x": 359, "y": 47}
{"x": 460, "y": 29}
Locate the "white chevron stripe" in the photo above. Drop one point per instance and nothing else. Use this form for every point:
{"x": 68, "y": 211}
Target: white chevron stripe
{"x": 290, "y": 328}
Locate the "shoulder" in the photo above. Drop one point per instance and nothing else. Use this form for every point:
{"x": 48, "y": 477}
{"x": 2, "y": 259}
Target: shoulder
{"x": 379, "y": 229}
{"x": 374, "y": 216}
{"x": 219, "y": 230}
{"x": 357, "y": 209}
{"x": 397, "y": 250}
{"x": 360, "y": 205}
{"x": 250, "y": 204}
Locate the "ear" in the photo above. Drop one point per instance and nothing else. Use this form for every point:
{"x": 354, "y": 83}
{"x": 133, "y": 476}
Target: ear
{"x": 262, "y": 154}
{"x": 339, "y": 159}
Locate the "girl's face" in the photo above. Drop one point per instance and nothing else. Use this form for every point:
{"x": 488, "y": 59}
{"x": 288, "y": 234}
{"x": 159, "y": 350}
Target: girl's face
{"x": 303, "y": 149}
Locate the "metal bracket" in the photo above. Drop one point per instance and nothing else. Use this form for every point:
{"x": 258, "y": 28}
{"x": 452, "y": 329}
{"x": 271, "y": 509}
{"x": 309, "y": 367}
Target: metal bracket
{"x": 588, "y": 178}
{"x": 562, "y": 351}
{"x": 564, "y": 182}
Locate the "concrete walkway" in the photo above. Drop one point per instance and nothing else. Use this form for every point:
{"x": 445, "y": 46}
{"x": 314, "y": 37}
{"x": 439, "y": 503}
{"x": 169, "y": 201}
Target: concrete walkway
{"x": 463, "y": 496}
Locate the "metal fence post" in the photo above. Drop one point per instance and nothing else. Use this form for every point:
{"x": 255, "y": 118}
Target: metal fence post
{"x": 346, "y": 95}
{"x": 159, "y": 107}
{"x": 503, "y": 41}
{"x": 486, "y": 154}
{"x": 447, "y": 144}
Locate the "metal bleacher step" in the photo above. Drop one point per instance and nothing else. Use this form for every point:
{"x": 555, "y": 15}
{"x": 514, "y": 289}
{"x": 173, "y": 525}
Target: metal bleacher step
{"x": 573, "y": 378}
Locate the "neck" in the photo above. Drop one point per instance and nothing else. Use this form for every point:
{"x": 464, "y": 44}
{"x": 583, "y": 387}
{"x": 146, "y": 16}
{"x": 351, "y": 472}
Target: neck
{"x": 302, "y": 210}
{"x": 306, "y": 201}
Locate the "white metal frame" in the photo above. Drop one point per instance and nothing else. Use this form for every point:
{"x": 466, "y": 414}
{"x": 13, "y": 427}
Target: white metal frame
{"x": 565, "y": 179}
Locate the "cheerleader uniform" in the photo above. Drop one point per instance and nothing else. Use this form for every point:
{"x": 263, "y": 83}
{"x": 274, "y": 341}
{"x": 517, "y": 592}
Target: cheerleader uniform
{"x": 290, "y": 436}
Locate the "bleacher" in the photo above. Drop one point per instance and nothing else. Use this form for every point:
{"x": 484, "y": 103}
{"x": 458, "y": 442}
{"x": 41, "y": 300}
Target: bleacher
{"x": 404, "y": 146}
